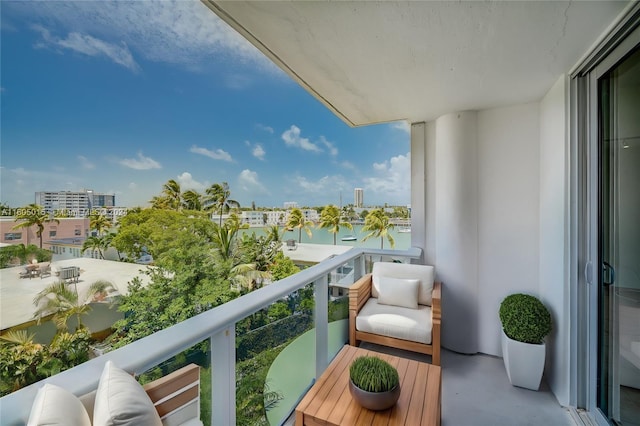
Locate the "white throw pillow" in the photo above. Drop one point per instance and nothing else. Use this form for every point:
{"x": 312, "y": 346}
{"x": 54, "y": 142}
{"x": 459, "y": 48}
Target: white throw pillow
{"x": 121, "y": 400}
{"x": 398, "y": 292}
{"x": 57, "y": 406}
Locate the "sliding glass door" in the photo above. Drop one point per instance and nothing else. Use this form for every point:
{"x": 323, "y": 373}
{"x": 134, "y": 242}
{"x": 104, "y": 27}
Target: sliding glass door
{"x": 618, "y": 241}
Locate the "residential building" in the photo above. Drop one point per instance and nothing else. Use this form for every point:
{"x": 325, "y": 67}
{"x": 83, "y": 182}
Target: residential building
{"x": 72, "y": 229}
{"x": 254, "y": 218}
{"x": 358, "y": 197}
{"x": 524, "y": 176}
{"x": 74, "y": 203}
{"x": 290, "y": 205}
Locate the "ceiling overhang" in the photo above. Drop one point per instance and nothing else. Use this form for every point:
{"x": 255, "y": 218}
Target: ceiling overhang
{"x": 372, "y": 62}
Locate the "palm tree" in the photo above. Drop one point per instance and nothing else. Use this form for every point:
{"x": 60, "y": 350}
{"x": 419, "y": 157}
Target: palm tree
{"x": 99, "y": 222}
{"x": 192, "y": 200}
{"x": 93, "y": 243}
{"x": 34, "y": 215}
{"x": 173, "y": 194}
{"x": 296, "y": 220}
{"x": 101, "y": 243}
{"x": 331, "y": 218}
{"x": 274, "y": 235}
{"x": 378, "y": 224}
{"x": 218, "y": 198}
{"x": 61, "y": 302}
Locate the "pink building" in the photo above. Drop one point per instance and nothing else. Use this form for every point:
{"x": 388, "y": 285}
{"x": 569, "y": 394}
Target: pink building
{"x": 72, "y": 229}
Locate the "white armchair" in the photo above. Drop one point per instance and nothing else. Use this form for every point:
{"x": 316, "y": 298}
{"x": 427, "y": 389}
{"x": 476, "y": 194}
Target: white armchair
{"x": 397, "y": 305}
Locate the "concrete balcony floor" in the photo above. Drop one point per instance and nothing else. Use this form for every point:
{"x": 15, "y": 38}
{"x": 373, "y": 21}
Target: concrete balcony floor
{"x": 477, "y": 392}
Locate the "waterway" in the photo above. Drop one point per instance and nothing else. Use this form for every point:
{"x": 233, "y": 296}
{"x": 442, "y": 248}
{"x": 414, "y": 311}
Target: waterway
{"x": 323, "y": 236}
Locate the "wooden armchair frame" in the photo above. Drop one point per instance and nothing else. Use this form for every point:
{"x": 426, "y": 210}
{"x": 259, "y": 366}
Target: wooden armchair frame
{"x": 360, "y": 292}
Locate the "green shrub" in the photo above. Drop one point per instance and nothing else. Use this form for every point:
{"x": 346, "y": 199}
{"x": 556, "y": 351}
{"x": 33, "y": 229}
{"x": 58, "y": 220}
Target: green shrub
{"x": 524, "y": 318}
{"x": 373, "y": 374}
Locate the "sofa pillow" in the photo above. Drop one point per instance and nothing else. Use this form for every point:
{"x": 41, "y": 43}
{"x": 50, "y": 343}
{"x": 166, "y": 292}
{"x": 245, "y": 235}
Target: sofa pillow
{"x": 398, "y": 292}
{"x": 423, "y": 273}
{"x": 57, "y": 406}
{"x": 121, "y": 400}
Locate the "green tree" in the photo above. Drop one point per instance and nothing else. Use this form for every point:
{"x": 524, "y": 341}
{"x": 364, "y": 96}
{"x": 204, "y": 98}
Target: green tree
{"x": 377, "y": 224}
{"x": 282, "y": 267}
{"x": 331, "y": 219}
{"x": 34, "y": 215}
{"x": 59, "y": 300}
{"x": 296, "y": 220}
{"x": 23, "y": 362}
{"x": 192, "y": 200}
{"x": 99, "y": 222}
{"x": 219, "y": 198}
{"x": 158, "y": 231}
{"x": 171, "y": 190}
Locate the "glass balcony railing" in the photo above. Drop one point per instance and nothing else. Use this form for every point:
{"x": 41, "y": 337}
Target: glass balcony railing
{"x": 283, "y": 336}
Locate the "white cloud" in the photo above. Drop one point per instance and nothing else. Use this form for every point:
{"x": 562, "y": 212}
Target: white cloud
{"x": 392, "y": 182}
{"x": 88, "y": 45}
{"x": 326, "y": 184}
{"x": 250, "y": 182}
{"x": 218, "y": 154}
{"x": 140, "y": 163}
{"x": 187, "y": 181}
{"x": 348, "y": 165}
{"x": 292, "y": 137}
{"x": 333, "y": 151}
{"x": 238, "y": 81}
{"x": 267, "y": 129}
{"x": 18, "y": 185}
{"x": 258, "y": 152}
{"x": 177, "y": 32}
{"x": 133, "y": 186}
{"x": 85, "y": 163}
{"x": 403, "y": 126}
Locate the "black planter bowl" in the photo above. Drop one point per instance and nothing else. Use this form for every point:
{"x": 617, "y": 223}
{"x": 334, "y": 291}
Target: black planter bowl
{"x": 375, "y": 401}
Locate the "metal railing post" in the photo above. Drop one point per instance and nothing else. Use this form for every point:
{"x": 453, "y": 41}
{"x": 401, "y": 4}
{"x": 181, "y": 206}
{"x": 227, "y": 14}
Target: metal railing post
{"x": 321, "y": 294}
{"x": 358, "y": 268}
{"x": 223, "y": 377}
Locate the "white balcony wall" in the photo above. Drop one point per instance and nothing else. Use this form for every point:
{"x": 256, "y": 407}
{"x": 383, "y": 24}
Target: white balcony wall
{"x": 456, "y": 227}
{"x": 508, "y": 215}
{"x": 495, "y": 219}
{"x": 554, "y": 282}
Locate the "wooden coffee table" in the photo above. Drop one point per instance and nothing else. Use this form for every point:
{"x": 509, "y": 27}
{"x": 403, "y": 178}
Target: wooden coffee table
{"x": 329, "y": 402}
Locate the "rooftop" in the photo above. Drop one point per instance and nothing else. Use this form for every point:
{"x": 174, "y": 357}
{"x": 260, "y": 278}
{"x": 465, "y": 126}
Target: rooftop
{"x": 17, "y": 294}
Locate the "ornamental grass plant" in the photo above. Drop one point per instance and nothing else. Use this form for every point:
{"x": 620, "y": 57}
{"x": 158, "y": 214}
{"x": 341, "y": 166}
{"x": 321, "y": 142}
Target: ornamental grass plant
{"x": 373, "y": 374}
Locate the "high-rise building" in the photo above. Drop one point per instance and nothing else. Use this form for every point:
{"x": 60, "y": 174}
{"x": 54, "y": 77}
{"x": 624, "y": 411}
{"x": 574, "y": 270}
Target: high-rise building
{"x": 74, "y": 203}
{"x": 358, "y": 197}
{"x": 290, "y": 205}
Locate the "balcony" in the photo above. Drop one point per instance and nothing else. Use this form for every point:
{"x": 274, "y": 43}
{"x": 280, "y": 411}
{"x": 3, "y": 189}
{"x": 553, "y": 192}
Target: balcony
{"x": 475, "y": 388}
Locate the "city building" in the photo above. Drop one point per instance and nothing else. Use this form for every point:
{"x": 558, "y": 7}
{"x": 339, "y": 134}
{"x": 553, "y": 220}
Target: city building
{"x": 73, "y": 203}
{"x": 290, "y": 205}
{"x": 71, "y": 230}
{"x": 358, "y": 197}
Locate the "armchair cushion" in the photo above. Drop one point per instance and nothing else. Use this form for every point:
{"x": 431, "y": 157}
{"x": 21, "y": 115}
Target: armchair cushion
{"x": 423, "y": 273}
{"x": 398, "y": 292}
{"x": 121, "y": 400}
{"x": 395, "y": 321}
{"x": 57, "y": 406}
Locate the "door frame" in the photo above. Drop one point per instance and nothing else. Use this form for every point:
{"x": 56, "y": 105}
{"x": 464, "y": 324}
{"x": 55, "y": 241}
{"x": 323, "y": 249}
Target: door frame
{"x": 585, "y": 273}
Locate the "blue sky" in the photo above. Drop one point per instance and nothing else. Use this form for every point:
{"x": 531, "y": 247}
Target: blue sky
{"x": 121, "y": 97}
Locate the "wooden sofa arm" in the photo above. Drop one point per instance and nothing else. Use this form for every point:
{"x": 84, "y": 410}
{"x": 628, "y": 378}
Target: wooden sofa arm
{"x": 436, "y": 302}
{"x": 359, "y": 293}
{"x": 175, "y": 390}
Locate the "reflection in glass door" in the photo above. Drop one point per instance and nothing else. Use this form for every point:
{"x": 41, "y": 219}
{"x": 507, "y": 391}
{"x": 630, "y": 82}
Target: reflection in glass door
{"x": 618, "y": 376}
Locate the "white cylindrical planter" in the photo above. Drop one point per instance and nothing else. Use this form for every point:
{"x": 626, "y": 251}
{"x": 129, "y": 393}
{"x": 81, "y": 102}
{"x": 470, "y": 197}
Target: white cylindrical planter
{"x": 524, "y": 362}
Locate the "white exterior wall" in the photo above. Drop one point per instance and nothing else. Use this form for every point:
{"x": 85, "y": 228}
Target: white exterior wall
{"x": 456, "y": 224}
{"x": 480, "y": 226}
{"x": 553, "y": 276}
{"x": 508, "y": 169}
